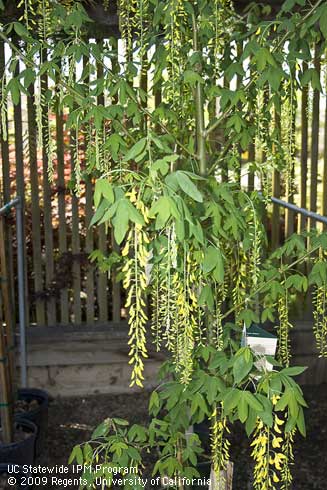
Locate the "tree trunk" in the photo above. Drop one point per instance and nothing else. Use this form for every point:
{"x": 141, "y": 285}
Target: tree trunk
{"x": 225, "y": 481}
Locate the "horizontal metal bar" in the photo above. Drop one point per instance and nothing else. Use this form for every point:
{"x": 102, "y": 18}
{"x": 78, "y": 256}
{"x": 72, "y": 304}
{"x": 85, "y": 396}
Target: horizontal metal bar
{"x": 11, "y": 204}
{"x": 297, "y": 209}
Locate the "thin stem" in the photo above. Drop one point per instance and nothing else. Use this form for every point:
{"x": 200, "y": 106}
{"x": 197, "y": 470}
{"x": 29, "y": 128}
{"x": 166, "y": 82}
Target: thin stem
{"x": 257, "y": 291}
{"x": 201, "y": 149}
{"x": 251, "y": 82}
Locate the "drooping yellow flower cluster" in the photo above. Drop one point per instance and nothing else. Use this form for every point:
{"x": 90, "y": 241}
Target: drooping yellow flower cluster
{"x": 186, "y": 321}
{"x": 135, "y": 283}
{"x": 220, "y": 293}
{"x": 260, "y": 454}
{"x": 239, "y": 280}
{"x": 320, "y": 317}
{"x": 164, "y": 279}
{"x": 127, "y": 16}
{"x": 288, "y": 134}
{"x": 222, "y": 19}
{"x": 176, "y": 63}
{"x": 273, "y": 454}
{"x": 320, "y": 313}
{"x": 176, "y": 313}
{"x": 284, "y": 353}
{"x": 219, "y": 443}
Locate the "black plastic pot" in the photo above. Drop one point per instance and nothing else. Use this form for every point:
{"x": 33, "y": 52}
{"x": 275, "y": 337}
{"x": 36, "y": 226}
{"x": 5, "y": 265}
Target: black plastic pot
{"x": 39, "y": 416}
{"x": 15, "y": 471}
{"x": 21, "y": 452}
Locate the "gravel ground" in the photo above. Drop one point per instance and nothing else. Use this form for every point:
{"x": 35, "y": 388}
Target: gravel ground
{"x": 71, "y": 421}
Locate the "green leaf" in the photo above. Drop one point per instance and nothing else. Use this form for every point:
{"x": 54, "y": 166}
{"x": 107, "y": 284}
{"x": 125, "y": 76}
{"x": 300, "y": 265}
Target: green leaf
{"x": 21, "y": 30}
{"x": 132, "y": 212}
{"x": 265, "y": 414}
{"x": 231, "y": 400}
{"x": 72, "y": 456}
{"x": 101, "y": 430}
{"x": 154, "y": 400}
{"x": 219, "y": 272}
{"x": 210, "y": 259}
{"x": 14, "y": 88}
{"x": 99, "y": 212}
{"x": 162, "y": 165}
{"x": 254, "y": 403}
{"x": 243, "y": 408}
{"x": 188, "y": 187}
{"x": 206, "y": 297}
{"x": 161, "y": 209}
{"x": 133, "y": 453}
{"x": 293, "y": 371}
{"x": 198, "y": 402}
{"x": 76, "y": 454}
{"x": 136, "y": 150}
{"x": 192, "y": 77}
{"x": 120, "y": 223}
{"x": 300, "y": 422}
{"x": 241, "y": 367}
{"x": 103, "y": 188}
{"x": 263, "y": 57}
{"x": 323, "y": 22}
{"x": 213, "y": 386}
{"x": 251, "y": 422}
{"x": 283, "y": 401}
{"x": 119, "y": 421}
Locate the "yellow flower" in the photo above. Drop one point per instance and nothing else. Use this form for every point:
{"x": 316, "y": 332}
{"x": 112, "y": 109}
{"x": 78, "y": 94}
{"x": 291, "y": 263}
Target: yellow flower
{"x": 132, "y": 195}
{"x": 277, "y": 460}
{"x": 278, "y": 420}
{"x": 275, "y": 478}
{"x": 275, "y": 399}
{"x": 276, "y": 442}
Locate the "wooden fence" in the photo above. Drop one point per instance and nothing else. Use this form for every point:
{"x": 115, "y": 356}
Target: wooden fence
{"x": 63, "y": 285}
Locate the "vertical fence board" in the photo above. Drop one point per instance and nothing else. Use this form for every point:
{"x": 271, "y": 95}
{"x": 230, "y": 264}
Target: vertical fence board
{"x": 275, "y": 222}
{"x": 64, "y": 312}
{"x": 115, "y": 286}
{"x": 289, "y": 215}
{"x": 239, "y": 81}
{"x": 47, "y": 209}
{"x": 8, "y": 328}
{"x": 324, "y": 181}
{"x": 315, "y": 143}
{"x": 251, "y": 159}
{"x": 35, "y": 209}
{"x": 103, "y": 239}
{"x": 76, "y": 269}
{"x": 224, "y": 167}
{"x": 6, "y": 191}
{"x": 304, "y": 152}
{"x": 251, "y": 149}
{"x": 89, "y": 245}
{"x": 89, "y": 238}
{"x": 4, "y": 142}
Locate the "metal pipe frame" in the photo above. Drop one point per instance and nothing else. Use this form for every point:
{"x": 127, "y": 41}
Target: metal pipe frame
{"x": 17, "y": 203}
{"x": 297, "y": 209}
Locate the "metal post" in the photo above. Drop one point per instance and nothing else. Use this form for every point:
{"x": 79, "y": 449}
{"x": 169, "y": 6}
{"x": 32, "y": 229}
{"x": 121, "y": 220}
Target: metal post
{"x": 16, "y": 203}
{"x": 21, "y": 294}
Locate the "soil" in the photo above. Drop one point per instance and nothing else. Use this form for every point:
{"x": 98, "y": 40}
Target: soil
{"x": 71, "y": 421}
